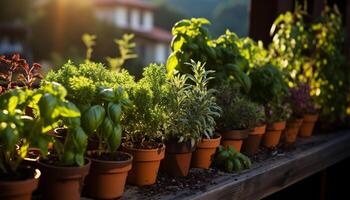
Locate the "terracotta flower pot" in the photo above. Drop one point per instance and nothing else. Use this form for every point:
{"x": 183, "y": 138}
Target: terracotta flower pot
{"x": 290, "y": 133}
{"x": 273, "y": 134}
{"x": 107, "y": 178}
{"x": 177, "y": 159}
{"x": 234, "y": 138}
{"x": 308, "y": 125}
{"x": 60, "y": 182}
{"x": 145, "y": 165}
{"x": 202, "y": 156}
{"x": 20, "y": 189}
{"x": 252, "y": 142}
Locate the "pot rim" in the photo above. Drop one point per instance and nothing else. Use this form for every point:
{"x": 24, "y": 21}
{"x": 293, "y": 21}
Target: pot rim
{"x": 36, "y": 176}
{"x": 144, "y": 150}
{"x": 87, "y": 163}
{"x": 129, "y": 160}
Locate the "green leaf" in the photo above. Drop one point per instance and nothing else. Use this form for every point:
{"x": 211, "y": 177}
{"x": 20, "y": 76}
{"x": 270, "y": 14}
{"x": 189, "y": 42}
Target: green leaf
{"x": 9, "y": 137}
{"x": 93, "y": 118}
{"x": 79, "y": 159}
{"x": 115, "y": 112}
{"x": 115, "y": 139}
{"x": 107, "y": 128}
{"x": 172, "y": 63}
{"x": 68, "y": 109}
{"x": 48, "y": 108}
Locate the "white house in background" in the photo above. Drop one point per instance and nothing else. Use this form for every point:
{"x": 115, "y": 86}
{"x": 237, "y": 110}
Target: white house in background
{"x": 136, "y": 16}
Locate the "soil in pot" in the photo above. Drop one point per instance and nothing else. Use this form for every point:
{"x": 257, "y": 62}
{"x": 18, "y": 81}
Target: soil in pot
{"x": 234, "y": 138}
{"x": 289, "y": 135}
{"x": 177, "y": 159}
{"x": 308, "y": 125}
{"x": 62, "y": 182}
{"x": 205, "y": 151}
{"x": 252, "y": 142}
{"x": 146, "y": 162}
{"x": 107, "y": 176}
{"x": 19, "y": 186}
{"x": 273, "y": 134}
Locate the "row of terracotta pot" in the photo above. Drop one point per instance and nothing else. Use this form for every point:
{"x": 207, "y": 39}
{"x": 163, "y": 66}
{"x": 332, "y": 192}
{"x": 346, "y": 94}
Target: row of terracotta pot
{"x": 106, "y": 179}
{"x": 269, "y": 136}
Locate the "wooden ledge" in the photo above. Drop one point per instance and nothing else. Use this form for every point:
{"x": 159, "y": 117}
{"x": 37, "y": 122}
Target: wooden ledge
{"x": 310, "y": 156}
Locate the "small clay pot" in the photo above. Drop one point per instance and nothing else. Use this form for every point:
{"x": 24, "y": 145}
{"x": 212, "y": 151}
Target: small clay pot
{"x": 252, "y": 143}
{"x": 289, "y": 135}
{"x": 145, "y": 164}
{"x": 234, "y": 138}
{"x": 20, "y": 189}
{"x": 308, "y": 125}
{"x": 107, "y": 178}
{"x": 273, "y": 134}
{"x": 202, "y": 156}
{"x": 60, "y": 182}
{"x": 177, "y": 159}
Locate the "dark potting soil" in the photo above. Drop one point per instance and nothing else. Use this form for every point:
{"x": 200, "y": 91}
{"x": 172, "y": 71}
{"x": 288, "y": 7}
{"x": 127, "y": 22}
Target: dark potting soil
{"x": 116, "y": 156}
{"x": 197, "y": 180}
{"x": 144, "y": 145}
{"x": 22, "y": 173}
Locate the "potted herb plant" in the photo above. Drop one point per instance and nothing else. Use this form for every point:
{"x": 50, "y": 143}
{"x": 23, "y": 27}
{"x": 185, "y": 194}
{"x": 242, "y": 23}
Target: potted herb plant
{"x": 238, "y": 119}
{"x": 270, "y": 89}
{"x": 64, "y": 169}
{"x": 97, "y": 93}
{"x": 310, "y": 113}
{"x": 298, "y": 99}
{"x": 16, "y": 180}
{"x": 258, "y": 128}
{"x": 109, "y": 167}
{"x": 144, "y": 123}
{"x": 191, "y": 115}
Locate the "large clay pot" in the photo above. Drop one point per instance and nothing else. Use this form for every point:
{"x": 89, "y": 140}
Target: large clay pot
{"x": 273, "y": 134}
{"x": 308, "y": 125}
{"x": 234, "y": 138}
{"x": 202, "y": 156}
{"x": 60, "y": 182}
{"x": 145, "y": 165}
{"x": 177, "y": 159}
{"x": 252, "y": 143}
{"x": 20, "y": 189}
{"x": 107, "y": 178}
{"x": 289, "y": 135}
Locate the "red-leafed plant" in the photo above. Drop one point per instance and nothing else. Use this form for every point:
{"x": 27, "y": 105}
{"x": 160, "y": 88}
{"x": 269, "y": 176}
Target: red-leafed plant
{"x": 18, "y": 73}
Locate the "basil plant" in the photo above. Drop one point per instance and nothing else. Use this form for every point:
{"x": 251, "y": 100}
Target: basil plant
{"x": 19, "y": 132}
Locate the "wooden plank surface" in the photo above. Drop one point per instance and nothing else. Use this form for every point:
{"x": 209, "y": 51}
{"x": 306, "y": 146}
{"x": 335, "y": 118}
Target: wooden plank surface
{"x": 310, "y": 156}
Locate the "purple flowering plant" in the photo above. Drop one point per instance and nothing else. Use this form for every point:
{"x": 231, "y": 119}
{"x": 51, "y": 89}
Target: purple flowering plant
{"x": 301, "y": 100}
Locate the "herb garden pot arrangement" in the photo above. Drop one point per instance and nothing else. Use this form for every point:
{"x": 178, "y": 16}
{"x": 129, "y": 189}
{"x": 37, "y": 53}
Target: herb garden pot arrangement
{"x": 146, "y": 163}
{"x": 109, "y": 168}
{"x": 308, "y": 125}
{"x": 252, "y": 143}
{"x": 302, "y": 104}
{"x": 177, "y": 159}
{"x": 270, "y": 89}
{"x": 291, "y": 132}
{"x": 192, "y": 113}
{"x": 203, "y": 155}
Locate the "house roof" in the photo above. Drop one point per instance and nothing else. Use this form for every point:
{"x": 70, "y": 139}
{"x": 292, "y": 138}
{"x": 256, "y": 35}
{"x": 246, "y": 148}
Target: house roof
{"x": 156, "y": 34}
{"x": 129, "y": 3}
